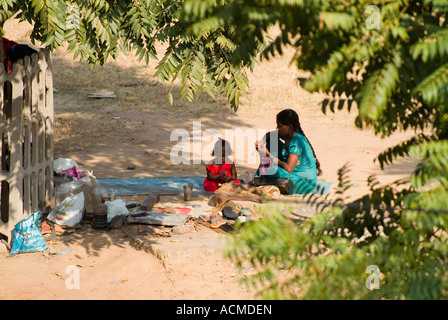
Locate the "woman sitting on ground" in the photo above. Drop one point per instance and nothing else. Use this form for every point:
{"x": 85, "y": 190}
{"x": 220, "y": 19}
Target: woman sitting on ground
{"x": 287, "y": 153}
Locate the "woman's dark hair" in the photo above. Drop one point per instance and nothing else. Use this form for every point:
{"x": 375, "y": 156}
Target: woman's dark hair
{"x": 290, "y": 118}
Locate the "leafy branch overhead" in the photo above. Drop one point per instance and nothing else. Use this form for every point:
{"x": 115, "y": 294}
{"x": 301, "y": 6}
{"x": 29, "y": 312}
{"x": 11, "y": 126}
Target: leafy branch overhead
{"x": 96, "y": 30}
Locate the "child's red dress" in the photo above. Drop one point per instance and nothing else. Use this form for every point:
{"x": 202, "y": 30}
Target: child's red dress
{"x": 225, "y": 168}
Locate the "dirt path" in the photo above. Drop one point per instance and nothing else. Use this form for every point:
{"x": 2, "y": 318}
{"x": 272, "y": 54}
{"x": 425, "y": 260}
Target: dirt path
{"x": 116, "y": 264}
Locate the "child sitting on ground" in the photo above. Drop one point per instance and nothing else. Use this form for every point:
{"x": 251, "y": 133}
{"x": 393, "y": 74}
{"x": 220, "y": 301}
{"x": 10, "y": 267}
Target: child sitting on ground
{"x": 221, "y": 169}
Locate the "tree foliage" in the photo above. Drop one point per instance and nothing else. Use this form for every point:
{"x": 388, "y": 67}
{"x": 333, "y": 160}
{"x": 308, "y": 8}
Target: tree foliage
{"x": 387, "y": 59}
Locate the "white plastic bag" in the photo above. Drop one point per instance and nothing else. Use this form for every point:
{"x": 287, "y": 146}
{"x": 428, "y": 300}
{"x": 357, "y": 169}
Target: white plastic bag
{"x": 69, "y": 211}
{"x": 64, "y": 164}
{"x": 116, "y": 208}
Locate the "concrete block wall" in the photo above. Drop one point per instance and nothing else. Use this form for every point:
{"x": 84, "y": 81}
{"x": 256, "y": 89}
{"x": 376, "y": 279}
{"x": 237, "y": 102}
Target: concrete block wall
{"x": 26, "y": 140}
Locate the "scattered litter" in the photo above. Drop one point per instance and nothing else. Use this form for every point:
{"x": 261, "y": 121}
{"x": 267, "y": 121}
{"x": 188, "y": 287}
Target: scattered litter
{"x": 27, "y": 236}
{"x": 64, "y": 164}
{"x": 139, "y": 213}
{"x": 201, "y": 219}
{"x": 117, "y": 281}
{"x": 158, "y": 218}
{"x": 150, "y": 201}
{"x": 129, "y": 85}
{"x": 118, "y": 211}
{"x": 64, "y": 252}
{"x": 183, "y": 210}
{"x": 168, "y": 210}
{"x": 229, "y": 213}
{"x": 69, "y": 212}
{"x": 45, "y": 228}
{"x": 117, "y": 222}
{"x": 49, "y": 252}
{"x": 115, "y": 118}
{"x": 116, "y": 207}
{"x": 99, "y": 95}
{"x": 72, "y": 172}
{"x": 69, "y": 188}
{"x": 132, "y": 205}
{"x": 218, "y": 223}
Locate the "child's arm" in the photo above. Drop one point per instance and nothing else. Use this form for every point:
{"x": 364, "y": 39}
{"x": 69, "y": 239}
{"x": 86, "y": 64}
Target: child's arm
{"x": 214, "y": 177}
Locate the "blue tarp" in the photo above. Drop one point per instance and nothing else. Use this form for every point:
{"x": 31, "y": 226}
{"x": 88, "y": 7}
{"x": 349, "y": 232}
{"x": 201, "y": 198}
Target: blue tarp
{"x": 27, "y": 236}
{"x": 323, "y": 188}
{"x": 167, "y": 185}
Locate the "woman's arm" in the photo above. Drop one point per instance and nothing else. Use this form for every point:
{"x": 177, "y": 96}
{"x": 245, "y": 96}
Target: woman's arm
{"x": 289, "y": 165}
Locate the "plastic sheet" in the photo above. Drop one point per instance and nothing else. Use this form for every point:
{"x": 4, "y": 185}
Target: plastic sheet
{"x": 27, "y": 236}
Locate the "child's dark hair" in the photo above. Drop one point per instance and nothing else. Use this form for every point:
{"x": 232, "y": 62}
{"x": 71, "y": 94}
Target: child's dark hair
{"x": 290, "y": 117}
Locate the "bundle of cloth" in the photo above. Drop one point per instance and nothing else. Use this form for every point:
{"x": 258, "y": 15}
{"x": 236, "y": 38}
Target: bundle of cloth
{"x": 233, "y": 191}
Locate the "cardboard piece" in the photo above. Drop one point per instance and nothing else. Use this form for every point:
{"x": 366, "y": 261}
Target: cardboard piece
{"x": 158, "y": 218}
{"x": 98, "y": 95}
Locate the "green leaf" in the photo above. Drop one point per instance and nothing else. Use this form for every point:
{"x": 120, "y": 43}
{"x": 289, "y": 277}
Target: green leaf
{"x": 376, "y": 92}
{"x": 433, "y": 88}
{"x": 170, "y": 98}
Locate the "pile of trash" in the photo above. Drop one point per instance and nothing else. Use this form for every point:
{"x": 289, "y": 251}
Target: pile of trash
{"x": 78, "y": 191}
{"x": 80, "y": 197}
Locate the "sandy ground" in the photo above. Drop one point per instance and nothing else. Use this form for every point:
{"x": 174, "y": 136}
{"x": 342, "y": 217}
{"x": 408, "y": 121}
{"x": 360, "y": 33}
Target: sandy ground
{"x": 114, "y": 141}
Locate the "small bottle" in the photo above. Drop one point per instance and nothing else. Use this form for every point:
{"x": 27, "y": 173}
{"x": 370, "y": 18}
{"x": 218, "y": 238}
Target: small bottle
{"x": 265, "y": 162}
{"x": 113, "y": 194}
{"x": 247, "y": 214}
{"x": 242, "y": 219}
{"x": 96, "y": 193}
